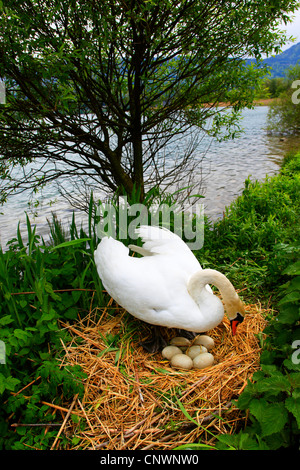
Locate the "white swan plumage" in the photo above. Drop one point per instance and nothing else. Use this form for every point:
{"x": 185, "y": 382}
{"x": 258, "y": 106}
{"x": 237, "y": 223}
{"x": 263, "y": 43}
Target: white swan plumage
{"x": 167, "y": 285}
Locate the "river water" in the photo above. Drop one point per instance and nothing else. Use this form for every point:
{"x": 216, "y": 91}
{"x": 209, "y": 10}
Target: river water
{"x": 224, "y": 166}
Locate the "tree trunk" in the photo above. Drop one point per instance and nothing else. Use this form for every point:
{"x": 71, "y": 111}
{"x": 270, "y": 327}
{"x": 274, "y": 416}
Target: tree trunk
{"x": 136, "y": 115}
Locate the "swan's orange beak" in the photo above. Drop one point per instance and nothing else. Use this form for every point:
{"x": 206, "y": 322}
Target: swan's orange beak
{"x": 234, "y": 323}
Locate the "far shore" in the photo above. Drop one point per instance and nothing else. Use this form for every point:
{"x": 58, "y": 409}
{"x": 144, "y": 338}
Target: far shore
{"x": 258, "y": 102}
{"x": 264, "y": 102}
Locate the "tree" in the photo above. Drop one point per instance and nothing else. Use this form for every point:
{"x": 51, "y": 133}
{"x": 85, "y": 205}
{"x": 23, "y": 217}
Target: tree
{"x": 284, "y": 113}
{"x": 95, "y": 90}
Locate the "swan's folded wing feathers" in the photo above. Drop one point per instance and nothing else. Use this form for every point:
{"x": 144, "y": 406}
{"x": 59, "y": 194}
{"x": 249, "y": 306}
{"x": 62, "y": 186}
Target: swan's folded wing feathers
{"x": 159, "y": 240}
{"x": 140, "y": 250}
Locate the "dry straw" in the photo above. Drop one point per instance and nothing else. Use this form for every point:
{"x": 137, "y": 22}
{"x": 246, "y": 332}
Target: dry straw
{"x": 134, "y": 400}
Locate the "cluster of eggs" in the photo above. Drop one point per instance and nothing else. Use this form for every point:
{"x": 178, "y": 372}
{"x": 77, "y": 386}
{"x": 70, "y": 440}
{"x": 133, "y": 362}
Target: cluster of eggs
{"x": 184, "y": 354}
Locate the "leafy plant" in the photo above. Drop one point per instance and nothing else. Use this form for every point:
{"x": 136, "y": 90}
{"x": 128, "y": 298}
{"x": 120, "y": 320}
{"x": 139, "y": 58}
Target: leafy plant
{"x": 284, "y": 113}
{"x": 39, "y": 285}
{"x": 273, "y": 397}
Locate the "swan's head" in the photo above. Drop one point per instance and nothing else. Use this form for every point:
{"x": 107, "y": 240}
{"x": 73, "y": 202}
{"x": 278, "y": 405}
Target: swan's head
{"x": 235, "y": 310}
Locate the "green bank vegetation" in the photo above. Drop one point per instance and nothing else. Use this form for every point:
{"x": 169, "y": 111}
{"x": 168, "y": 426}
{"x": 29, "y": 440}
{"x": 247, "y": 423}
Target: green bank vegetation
{"x": 284, "y": 112}
{"x": 256, "y": 244}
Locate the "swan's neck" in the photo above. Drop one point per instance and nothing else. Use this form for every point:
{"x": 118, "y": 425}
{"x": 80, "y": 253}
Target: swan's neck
{"x": 200, "y": 279}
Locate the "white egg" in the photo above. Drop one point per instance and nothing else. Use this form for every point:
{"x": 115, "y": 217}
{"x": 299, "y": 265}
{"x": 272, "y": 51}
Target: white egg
{"x": 195, "y": 350}
{"x": 203, "y": 360}
{"x": 206, "y": 341}
{"x": 181, "y": 361}
{"x": 180, "y": 341}
{"x": 169, "y": 351}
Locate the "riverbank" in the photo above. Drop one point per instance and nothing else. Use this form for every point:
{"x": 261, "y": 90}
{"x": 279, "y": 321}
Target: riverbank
{"x": 264, "y": 102}
{"x": 258, "y": 102}
{"x": 46, "y": 288}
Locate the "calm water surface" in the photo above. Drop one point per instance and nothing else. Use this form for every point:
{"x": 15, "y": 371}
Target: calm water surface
{"x": 225, "y": 166}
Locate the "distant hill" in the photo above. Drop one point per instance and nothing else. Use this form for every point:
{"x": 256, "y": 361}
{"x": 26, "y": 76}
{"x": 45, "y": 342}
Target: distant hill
{"x": 283, "y": 61}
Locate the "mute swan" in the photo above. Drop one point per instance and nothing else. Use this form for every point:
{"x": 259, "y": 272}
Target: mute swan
{"x": 167, "y": 286}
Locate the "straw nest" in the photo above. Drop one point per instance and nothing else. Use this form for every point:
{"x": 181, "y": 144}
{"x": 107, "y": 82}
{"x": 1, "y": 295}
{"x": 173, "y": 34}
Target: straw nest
{"x": 134, "y": 400}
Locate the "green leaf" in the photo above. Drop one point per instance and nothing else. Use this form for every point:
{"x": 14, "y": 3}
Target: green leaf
{"x": 292, "y": 269}
{"x": 272, "y": 417}
{"x": 21, "y": 431}
{"x": 241, "y": 441}
{"x": 20, "y": 334}
{"x": 8, "y": 383}
{"x": 293, "y": 284}
{"x": 290, "y": 297}
{"x": 49, "y": 289}
{"x": 6, "y": 320}
{"x": 294, "y": 379}
{"x": 76, "y": 440}
{"x": 76, "y": 295}
{"x": 186, "y": 414}
{"x": 274, "y": 385}
{"x": 291, "y": 365}
{"x": 197, "y": 195}
{"x": 289, "y": 314}
{"x": 194, "y": 446}
{"x": 230, "y": 441}
{"x": 47, "y": 316}
{"x": 106, "y": 350}
{"x": 70, "y": 243}
{"x": 247, "y": 396}
{"x": 293, "y": 405}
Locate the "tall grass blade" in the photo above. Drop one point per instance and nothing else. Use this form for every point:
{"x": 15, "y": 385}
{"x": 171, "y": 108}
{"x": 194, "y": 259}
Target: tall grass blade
{"x": 70, "y": 243}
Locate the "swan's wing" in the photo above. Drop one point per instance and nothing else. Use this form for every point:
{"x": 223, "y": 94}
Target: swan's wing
{"x": 159, "y": 240}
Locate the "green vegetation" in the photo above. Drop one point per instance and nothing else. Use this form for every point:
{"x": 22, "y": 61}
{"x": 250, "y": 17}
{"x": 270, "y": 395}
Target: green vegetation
{"x": 272, "y": 88}
{"x": 273, "y": 398}
{"x": 278, "y": 87}
{"x": 284, "y": 113}
{"x": 255, "y": 244}
{"x": 39, "y": 285}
